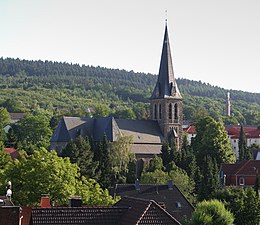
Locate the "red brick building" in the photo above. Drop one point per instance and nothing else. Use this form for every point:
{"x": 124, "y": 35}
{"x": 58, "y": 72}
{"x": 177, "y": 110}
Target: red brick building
{"x": 242, "y": 174}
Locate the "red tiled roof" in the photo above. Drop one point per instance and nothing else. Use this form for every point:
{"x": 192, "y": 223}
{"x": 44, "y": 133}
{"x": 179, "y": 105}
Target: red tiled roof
{"x": 246, "y": 167}
{"x": 190, "y": 130}
{"x": 12, "y": 152}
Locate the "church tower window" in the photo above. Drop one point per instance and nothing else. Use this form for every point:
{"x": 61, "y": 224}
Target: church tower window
{"x": 170, "y": 112}
{"x": 176, "y": 116}
{"x": 155, "y": 111}
{"x": 160, "y": 111}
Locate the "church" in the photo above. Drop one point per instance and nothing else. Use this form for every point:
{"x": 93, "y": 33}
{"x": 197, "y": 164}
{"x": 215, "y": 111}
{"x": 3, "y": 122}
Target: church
{"x": 165, "y": 123}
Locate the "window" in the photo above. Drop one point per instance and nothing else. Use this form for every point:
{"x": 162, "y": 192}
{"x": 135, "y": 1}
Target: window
{"x": 241, "y": 181}
{"x": 176, "y": 113}
{"x": 170, "y": 112}
{"x": 178, "y": 205}
{"x": 155, "y": 111}
{"x": 160, "y": 111}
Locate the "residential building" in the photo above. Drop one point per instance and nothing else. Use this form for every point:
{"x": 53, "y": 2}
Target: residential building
{"x": 241, "y": 174}
{"x": 168, "y": 196}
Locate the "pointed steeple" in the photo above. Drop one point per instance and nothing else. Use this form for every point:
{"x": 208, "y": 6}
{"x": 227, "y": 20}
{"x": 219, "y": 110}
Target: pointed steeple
{"x": 166, "y": 86}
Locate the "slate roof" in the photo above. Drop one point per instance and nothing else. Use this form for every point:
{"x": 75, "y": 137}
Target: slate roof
{"x": 245, "y": 168}
{"x": 128, "y": 211}
{"x": 145, "y": 212}
{"x": 142, "y": 131}
{"x": 77, "y": 215}
{"x": 146, "y": 134}
{"x": 168, "y": 195}
{"x": 166, "y": 86}
{"x": 69, "y": 127}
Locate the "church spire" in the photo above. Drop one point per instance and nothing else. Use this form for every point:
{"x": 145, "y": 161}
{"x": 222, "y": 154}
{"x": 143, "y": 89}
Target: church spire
{"x": 166, "y": 86}
{"x": 166, "y": 100}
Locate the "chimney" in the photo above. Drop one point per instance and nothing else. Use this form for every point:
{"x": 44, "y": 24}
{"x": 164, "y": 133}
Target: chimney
{"x": 137, "y": 185}
{"x": 170, "y": 185}
{"x": 75, "y": 202}
{"x": 45, "y": 201}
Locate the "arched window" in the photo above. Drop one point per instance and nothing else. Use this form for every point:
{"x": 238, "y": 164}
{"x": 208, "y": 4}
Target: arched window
{"x": 176, "y": 117}
{"x": 155, "y": 112}
{"x": 170, "y": 112}
{"x": 160, "y": 111}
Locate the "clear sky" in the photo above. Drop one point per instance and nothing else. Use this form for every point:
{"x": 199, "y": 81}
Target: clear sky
{"x": 215, "y": 41}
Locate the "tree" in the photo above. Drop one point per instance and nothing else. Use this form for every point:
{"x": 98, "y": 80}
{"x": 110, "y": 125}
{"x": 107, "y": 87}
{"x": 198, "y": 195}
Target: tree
{"x": 243, "y": 203}
{"x": 209, "y": 179}
{"x": 120, "y": 157}
{"x": 34, "y": 130}
{"x": 155, "y": 174}
{"x": 46, "y": 172}
{"x": 4, "y": 117}
{"x": 212, "y": 212}
{"x": 212, "y": 140}
{"x": 211, "y": 147}
{"x": 4, "y": 120}
{"x": 124, "y": 113}
{"x": 4, "y": 160}
{"x": 101, "y": 110}
{"x": 12, "y": 105}
{"x": 79, "y": 151}
{"x": 241, "y": 144}
{"x": 244, "y": 151}
{"x": 105, "y": 165}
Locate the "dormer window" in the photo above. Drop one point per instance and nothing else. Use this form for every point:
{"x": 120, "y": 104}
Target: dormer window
{"x": 178, "y": 205}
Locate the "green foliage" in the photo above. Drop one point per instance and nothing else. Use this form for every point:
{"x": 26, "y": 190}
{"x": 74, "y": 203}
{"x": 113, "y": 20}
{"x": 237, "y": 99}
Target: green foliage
{"x": 101, "y": 110}
{"x": 120, "y": 157}
{"x": 155, "y": 173}
{"x": 244, "y": 151}
{"x": 212, "y": 140}
{"x": 4, "y": 117}
{"x": 34, "y": 130}
{"x": 211, "y": 147}
{"x": 44, "y": 172}
{"x": 124, "y": 113}
{"x": 26, "y": 85}
{"x": 12, "y": 105}
{"x": 79, "y": 151}
{"x": 243, "y": 203}
{"x": 212, "y": 212}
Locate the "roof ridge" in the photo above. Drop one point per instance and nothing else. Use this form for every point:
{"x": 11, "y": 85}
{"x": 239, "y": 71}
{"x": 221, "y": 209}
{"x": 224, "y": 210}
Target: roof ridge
{"x": 144, "y": 211}
{"x": 239, "y": 169}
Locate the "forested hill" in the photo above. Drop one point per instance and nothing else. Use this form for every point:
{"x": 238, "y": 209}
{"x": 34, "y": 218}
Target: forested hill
{"x": 89, "y": 75}
{"x": 76, "y": 86}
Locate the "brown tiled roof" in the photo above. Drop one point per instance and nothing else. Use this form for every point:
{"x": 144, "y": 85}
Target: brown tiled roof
{"x": 145, "y": 212}
{"x": 246, "y": 167}
{"x": 163, "y": 194}
{"x": 128, "y": 211}
{"x": 77, "y": 215}
{"x": 9, "y": 215}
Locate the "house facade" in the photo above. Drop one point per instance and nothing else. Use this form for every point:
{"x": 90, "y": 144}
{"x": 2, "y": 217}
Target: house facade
{"x": 252, "y": 136}
{"x": 242, "y": 174}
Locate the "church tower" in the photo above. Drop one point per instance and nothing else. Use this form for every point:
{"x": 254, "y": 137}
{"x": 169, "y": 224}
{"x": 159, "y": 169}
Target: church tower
{"x": 166, "y": 99}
